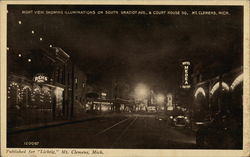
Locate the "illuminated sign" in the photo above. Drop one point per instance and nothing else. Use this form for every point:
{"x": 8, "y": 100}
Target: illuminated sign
{"x": 170, "y": 108}
{"x": 186, "y": 69}
{"x": 40, "y": 78}
{"x": 103, "y": 95}
{"x": 169, "y": 102}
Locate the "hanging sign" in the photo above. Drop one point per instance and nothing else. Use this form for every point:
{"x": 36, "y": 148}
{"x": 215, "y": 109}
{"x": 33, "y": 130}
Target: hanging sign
{"x": 186, "y": 75}
{"x": 40, "y": 78}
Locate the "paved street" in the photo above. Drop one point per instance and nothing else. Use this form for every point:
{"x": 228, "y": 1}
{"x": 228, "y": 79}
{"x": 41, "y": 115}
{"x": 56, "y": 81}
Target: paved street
{"x": 124, "y": 76}
{"x": 123, "y": 131}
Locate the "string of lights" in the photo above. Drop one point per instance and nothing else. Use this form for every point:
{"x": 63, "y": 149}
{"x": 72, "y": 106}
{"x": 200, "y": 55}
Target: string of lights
{"x": 36, "y": 40}
{"x": 21, "y": 90}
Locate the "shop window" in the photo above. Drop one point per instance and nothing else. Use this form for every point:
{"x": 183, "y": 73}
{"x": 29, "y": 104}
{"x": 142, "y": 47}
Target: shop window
{"x": 36, "y": 97}
{"x": 14, "y": 94}
{"x": 59, "y": 100}
{"x": 47, "y": 98}
{"x": 26, "y": 97}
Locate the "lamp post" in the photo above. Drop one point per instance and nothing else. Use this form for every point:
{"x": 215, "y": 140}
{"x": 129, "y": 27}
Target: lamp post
{"x": 141, "y": 92}
{"x": 160, "y": 99}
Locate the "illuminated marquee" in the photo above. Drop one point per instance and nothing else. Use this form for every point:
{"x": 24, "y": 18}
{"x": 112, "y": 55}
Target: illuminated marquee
{"x": 186, "y": 67}
{"x": 40, "y": 78}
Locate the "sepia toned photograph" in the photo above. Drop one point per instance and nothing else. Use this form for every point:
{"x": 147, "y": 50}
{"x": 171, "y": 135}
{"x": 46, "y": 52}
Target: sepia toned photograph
{"x": 131, "y": 77}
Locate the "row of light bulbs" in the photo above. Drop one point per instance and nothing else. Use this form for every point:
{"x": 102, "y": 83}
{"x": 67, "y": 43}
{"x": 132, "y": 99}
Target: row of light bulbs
{"x": 33, "y": 32}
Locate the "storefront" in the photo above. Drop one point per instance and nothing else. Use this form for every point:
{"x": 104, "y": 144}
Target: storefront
{"x": 219, "y": 94}
{"x": 38, "y": 86}
{"x": 32, "y": 102}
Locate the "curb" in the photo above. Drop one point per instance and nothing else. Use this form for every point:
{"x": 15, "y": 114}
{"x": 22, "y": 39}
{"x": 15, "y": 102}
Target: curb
{"x": 54, "y": 124}
{"x": 42, "y": 126}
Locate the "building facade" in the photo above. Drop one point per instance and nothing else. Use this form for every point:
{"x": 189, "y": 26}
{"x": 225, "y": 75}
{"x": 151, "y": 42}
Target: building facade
{"x": 218, "y": 94}
{"x": 79, "y": 92}
{"x": 39, "y": 86}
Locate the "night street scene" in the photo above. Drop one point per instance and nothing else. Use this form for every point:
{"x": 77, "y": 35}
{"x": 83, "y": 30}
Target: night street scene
{"x": 125, "y": 76}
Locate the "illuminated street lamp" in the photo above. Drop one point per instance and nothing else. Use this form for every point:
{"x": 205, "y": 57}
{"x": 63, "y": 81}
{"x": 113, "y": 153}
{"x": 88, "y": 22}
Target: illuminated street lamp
{"x": 141, "y": 91}
{"x": 160, "y": 98}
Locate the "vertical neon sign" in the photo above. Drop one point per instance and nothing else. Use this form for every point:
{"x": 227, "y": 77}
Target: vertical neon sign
{"x": 185, "y": 77}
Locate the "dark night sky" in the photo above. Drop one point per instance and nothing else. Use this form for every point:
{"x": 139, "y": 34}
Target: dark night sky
{"x": 140, "y": 48}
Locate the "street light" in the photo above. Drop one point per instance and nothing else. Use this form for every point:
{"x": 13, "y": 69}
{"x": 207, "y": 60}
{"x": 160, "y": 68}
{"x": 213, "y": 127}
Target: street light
{"x": 141, "y": 91}
{"x": 160, "y": 98}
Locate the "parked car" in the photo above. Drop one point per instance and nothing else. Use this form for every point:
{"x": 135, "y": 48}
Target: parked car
{"x": 224, "y": 131}
{"x": 151, "y": 109}
{"x": 161, "y": 116}
{"x": 180, "y": 121}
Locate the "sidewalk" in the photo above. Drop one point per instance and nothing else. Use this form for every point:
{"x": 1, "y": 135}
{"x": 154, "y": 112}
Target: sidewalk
{"x": 53, "y": 123}
{"x": 86, "y": 117}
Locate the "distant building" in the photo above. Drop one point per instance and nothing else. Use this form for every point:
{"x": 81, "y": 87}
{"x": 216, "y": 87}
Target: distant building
{"x": 79, "y": 90}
